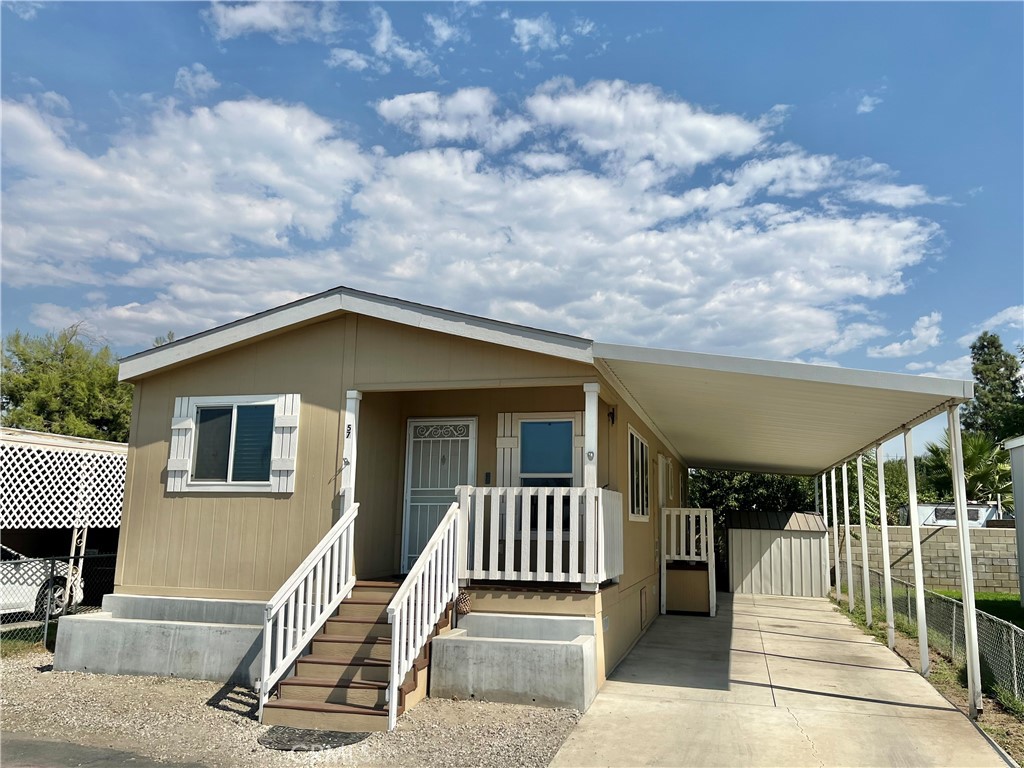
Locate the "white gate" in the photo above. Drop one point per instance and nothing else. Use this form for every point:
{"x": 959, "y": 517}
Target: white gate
{"x": 440, "y": 455}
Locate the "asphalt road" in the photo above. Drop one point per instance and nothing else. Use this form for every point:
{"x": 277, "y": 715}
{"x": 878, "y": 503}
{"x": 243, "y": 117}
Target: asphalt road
{"x": 20, "y": 750}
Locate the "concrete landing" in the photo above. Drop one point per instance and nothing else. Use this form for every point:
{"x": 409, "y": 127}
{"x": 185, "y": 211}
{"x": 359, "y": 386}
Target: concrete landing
{"x": 770, "y": 681}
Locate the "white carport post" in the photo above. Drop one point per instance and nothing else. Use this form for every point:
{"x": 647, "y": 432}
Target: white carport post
{"x": 835, "y": 537}
{"x": 956, "y": 458}
{"x": 824, "y": 512}
{"x": 883, "y": 515}
{"x": 915, "y": 545}
{"x": 848, "y": 546}
{"x": 865, "y": 573}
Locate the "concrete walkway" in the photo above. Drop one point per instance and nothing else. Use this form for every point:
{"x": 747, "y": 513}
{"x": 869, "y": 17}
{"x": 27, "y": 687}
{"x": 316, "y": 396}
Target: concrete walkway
{"x": 772, "y": 681}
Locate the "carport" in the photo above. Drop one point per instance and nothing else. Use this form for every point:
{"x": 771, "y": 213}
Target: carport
{"x": 771, "y": 681}
{"x": 762, "y": 416}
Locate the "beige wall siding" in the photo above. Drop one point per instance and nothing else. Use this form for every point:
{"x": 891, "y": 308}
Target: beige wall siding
{"x": 227, "y": 545}
{"x": 379, "y": 484}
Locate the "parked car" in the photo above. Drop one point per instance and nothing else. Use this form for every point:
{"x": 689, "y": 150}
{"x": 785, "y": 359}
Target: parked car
{"x": 26, "y": 586}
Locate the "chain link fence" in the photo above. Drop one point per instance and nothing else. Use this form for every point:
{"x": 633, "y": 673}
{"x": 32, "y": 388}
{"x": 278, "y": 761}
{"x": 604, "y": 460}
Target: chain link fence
{"x": 36, "y": 592}
{"x": 1000, "y": 643}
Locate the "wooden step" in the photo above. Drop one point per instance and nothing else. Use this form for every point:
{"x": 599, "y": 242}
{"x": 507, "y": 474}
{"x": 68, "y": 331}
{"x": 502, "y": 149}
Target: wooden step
{"x": 353, "y": 647}
{"x": 363, "y": 608}
{"x": 349, "y": 627}
{"x": 321, "y": 666}
{"x": 360, "y": 693}
{"x": 383, "y": 588}
{"x": 345, "y": 718}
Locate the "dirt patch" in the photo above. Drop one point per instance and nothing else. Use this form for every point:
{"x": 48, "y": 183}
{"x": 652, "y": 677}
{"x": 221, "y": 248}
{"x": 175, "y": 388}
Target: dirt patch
{"x": 194, "y": 721}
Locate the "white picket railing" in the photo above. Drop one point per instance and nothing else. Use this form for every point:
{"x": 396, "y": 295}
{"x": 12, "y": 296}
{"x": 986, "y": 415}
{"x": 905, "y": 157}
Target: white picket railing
{"x": 689, "y": 535}
{"x": 541, "y": 534}
{"x": 432, "y": 583}
{"x": 306, "y": 600}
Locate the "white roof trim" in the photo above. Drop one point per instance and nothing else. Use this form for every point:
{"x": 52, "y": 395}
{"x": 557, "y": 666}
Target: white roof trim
{"x": 341, "y": 300}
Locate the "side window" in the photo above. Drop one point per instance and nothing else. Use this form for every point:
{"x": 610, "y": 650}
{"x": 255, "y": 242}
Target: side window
{"x": 639, "y": 478}
{"x": 234, "y": 443}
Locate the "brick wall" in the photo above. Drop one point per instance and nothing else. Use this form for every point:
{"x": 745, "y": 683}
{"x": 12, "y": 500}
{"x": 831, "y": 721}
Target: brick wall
{"x": 994, "y": 551}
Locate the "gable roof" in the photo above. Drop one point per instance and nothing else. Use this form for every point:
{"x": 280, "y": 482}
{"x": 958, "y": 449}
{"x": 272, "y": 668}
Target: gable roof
{"x": 713, "y": 411}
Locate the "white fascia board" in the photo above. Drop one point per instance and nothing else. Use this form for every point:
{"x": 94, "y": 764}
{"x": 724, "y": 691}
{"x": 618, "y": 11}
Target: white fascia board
{"x": 954, "y": 389}
{"x": 340, "y": 300}
{"x": 66, "y": 442}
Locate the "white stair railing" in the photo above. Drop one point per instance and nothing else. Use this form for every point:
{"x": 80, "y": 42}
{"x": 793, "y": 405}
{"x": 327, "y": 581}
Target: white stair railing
{"x": 417, "y": 606}
{"x": 306, "y": 600}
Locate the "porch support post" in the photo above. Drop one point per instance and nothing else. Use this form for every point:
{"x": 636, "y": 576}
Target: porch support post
{"x": 351, "y": 444}
{"x": 824, "y": 512}
{"x": 883, "y": 514}
{"x": 956, "y": 458}
{"x": 835, "y": 537}
{"x": 865, "y": 573}
{"x": 915, "y": 542}
{"x": 847, "y": 544}
{"x": 591, "y": 391}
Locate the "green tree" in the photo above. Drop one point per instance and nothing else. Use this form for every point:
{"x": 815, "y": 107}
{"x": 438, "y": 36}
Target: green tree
{"x": 998, "y": 405}
{"x": 986, "y": 468}
{"x": 725, "y": 491}
{"x": 65, "y": 384}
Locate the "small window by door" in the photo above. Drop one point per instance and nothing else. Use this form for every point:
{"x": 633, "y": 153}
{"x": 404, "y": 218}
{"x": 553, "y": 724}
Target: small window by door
{"x": 548, "y": 454}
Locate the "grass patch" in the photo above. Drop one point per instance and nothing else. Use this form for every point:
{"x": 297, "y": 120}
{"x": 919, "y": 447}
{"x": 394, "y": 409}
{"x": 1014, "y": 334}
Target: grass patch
{"x": 1003, "y": 605}
{"x": 27, "y": 639}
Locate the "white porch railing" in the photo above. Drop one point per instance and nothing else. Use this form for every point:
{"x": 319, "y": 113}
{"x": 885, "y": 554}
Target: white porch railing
{"x": 541, "y": 534}
{"x": 688, "y": 535}
{"x": 414, "y": 611}
{"x": 306, "y": 600}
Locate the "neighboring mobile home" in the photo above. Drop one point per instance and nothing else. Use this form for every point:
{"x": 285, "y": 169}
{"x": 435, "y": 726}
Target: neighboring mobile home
{"x": 276, "y": 460}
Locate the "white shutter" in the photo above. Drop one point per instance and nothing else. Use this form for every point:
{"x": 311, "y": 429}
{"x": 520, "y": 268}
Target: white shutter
{"x": 508, "y": 446}
{"x": 179, "y": 464}
{"x": 285, "y": 445}
{"x": 579, "y": 446}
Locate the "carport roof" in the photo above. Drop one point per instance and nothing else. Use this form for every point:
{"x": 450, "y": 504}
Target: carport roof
{"x": 737, "y": 413}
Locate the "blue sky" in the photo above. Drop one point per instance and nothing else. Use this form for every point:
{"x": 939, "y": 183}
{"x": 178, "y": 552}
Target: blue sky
{"x": 833, "y": 183}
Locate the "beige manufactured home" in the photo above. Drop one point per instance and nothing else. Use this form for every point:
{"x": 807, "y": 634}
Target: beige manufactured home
{"x": 310, "y": 489}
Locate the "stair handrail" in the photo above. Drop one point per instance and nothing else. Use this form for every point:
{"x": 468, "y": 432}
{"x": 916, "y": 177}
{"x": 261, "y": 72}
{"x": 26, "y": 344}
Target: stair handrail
{"x": 306, "y": 600}
{"x": 432, "y": 583}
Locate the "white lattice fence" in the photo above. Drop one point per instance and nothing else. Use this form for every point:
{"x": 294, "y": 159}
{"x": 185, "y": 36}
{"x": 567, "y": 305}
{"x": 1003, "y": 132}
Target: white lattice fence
{"x": 50, "y": 481}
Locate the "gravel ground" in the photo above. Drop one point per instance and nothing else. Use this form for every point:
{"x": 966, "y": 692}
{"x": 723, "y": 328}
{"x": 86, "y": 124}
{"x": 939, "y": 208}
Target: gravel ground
{"x": 175, "y": 720}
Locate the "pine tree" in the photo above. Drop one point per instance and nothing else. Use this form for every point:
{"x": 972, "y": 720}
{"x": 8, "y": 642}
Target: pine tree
{"x": 998, "y": 405}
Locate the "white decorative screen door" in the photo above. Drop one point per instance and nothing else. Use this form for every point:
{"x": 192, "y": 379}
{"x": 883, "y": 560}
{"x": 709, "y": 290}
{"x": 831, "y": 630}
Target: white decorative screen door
{"x": 440, "y": 455}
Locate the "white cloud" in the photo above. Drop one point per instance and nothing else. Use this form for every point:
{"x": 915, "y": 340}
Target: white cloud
{"x": 469, "y": 113}
{"x": 539, "y": 32}
{"x": 894, "y": 195}
{"x": 390, "y": 46}
{"x": 286, "y": 22}
{"x": 202, "y": 181}
{"x": 867, "y": 104}
{"x": 442, "y": 31}
{"x": 925, "y": 334}
{"x": 347, "y": 58}
{"x": 1011, "y": 318}
{"x": 957, "y": 368}
{"x": 205, "y": 215}
{"x": 584, "y": 27}
{"x": 26, "y": 10}
{"x": 633, "y": 123}
{"x": 195, "y": 81}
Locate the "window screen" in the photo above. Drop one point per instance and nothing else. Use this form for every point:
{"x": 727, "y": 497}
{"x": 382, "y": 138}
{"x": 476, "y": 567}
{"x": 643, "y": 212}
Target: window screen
{"x": 254, "y": 432}
{"x": 212, "y": 443}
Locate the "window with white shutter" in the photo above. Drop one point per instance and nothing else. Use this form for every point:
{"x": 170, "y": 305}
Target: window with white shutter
{"x": 239, "y": 443}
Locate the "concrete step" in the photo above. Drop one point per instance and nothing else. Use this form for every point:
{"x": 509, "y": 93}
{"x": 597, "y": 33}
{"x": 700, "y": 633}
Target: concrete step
{"x": 324, "y": 717}
{"x": 359, "y": 693}
{"x": 353, "y": 647}
{"x": 323, "y": 667}
{"x": 350, "y": 627}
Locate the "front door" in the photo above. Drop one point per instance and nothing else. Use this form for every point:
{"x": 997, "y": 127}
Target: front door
{"x": 440, "y": 455}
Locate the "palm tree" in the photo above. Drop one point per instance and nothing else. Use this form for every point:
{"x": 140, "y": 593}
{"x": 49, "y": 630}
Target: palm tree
{"x": 986, "y": 468}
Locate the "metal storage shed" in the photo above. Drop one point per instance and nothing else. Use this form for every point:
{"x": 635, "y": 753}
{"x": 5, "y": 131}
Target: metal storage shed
{"x": 778, "y": 553}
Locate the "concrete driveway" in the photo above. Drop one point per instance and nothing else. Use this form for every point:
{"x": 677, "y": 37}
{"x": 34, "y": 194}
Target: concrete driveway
{"x": 772, "y": 681}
